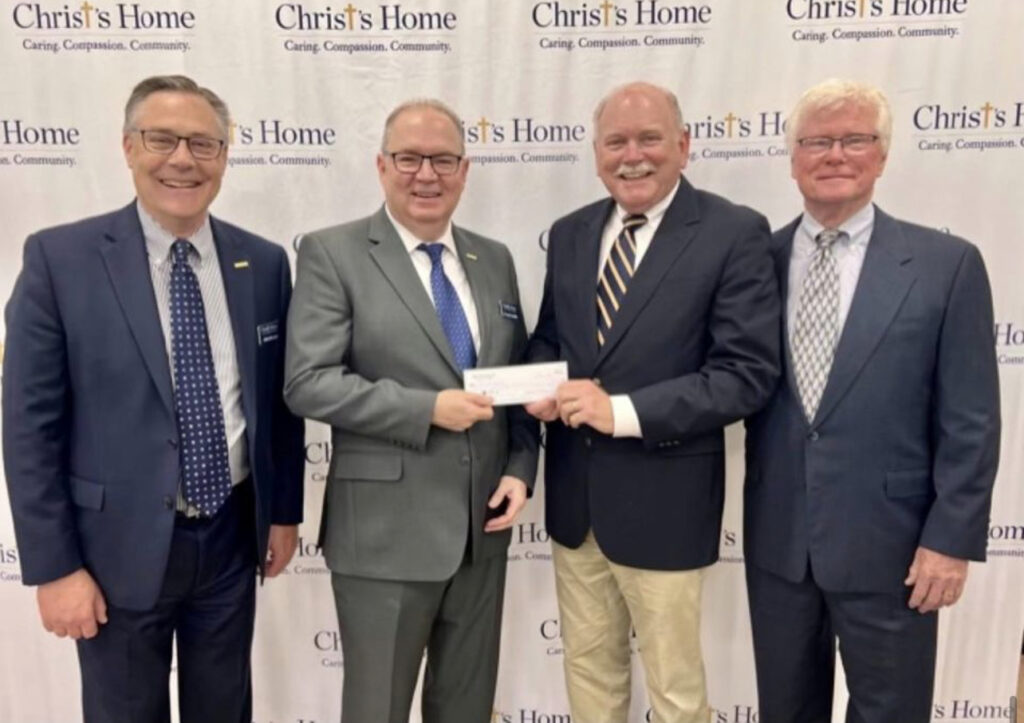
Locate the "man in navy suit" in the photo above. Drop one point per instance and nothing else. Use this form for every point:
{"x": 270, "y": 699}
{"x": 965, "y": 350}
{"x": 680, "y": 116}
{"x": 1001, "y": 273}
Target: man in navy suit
{"x": 151, "y": 463}
{"x": 663, "y": 302}
{"x": 869, "y": 475}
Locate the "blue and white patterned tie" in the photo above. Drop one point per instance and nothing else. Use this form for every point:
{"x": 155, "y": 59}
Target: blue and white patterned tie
{"x": 204, "y": 447}
{"x": 449, "y": 309}
{"x": 817, "y": 323}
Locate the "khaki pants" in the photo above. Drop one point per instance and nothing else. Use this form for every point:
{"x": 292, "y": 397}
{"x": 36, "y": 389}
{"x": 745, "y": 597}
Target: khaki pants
{"x": 597, "y": 601}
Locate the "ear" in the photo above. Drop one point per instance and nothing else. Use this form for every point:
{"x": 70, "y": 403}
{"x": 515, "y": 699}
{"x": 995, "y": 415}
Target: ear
{"x": 380, "y": 165}
{"x": 127, "y": 144}
{"x": 684, "y": 148}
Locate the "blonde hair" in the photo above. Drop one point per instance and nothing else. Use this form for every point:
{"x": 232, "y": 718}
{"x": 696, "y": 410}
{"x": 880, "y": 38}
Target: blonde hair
{"x": 837, "y": 93}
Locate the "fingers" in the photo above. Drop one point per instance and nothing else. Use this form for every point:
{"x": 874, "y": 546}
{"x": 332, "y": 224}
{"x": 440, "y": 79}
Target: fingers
{"x": 546, "y": 410}
{"x": 514, "y": 490}
{"x": 100, "y": 609}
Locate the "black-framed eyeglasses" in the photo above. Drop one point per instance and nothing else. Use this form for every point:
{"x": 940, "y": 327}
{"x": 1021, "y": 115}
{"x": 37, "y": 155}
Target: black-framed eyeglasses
{"x": 202, "y": 148}
{"x": 853, "y": 143}
{"x": 444, "y": 164}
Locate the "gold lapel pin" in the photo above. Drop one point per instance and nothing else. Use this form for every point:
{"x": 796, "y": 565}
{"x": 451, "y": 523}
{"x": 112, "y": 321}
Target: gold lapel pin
{"x": 471, "y": 257}
{"x": 241, "y": 264}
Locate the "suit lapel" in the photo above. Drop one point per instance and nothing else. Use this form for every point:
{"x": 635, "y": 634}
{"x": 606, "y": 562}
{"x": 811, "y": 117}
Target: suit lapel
{"x": 484, "y": 293}
{"x": 885, "y": 279}
{"x": 588, "y": 252}
{"x": 677, "y": 229}
{"x": 391, "y": 256}
{"x": 783, "y": 253}
{"x": 128, "y": 267}
{"x": 237, "y": 272}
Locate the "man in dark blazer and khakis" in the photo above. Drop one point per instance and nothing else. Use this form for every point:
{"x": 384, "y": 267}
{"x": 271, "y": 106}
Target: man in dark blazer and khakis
{"x": 426, "y": 479}
{"x": 663, "y": 302}
{"x": 869, "y": 475}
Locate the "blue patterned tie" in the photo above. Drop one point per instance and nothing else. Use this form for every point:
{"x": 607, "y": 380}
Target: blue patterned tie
{"x": 204, "y": 447}
{"x": 449, "y": 310}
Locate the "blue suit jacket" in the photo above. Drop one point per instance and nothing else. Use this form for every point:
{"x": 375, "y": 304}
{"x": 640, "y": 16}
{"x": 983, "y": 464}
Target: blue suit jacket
{"x": 904, "y": 447}
{"x": 695, "y": 346}
{"x": 89, "y": 432}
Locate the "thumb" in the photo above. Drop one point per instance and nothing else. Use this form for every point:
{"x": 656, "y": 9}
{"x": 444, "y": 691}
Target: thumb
{"x": 911, "y": 574}
{"x": 496, "y": 498}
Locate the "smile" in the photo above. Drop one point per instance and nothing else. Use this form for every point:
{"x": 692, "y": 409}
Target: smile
{"x": 170, "y": 183}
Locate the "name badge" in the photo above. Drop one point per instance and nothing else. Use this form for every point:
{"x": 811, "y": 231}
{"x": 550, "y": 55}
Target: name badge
{"x": 508, "y": 310}
{"x": 266, "y": 332}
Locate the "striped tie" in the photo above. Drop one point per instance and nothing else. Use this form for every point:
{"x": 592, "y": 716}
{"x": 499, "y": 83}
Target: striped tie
{"x": 615, "y": 276}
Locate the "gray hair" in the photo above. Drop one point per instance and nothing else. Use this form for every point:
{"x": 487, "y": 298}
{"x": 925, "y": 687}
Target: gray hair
{"x": 670, "y": 98}
{"x": 174, "y": 84}
{"x": 837, "y": 93}
{"x": 420, "y": 104}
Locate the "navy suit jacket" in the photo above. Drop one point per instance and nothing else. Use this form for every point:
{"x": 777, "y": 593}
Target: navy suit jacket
{"x": 904, "y": 446}
{"x": 89, "y": 434}
{"x": 695, "y": 346}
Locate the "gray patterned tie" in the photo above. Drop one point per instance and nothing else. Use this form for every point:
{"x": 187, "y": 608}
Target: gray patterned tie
{"x": 817, "y": 323}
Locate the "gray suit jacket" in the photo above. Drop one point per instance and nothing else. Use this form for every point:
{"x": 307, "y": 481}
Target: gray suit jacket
{"x": 366, "y": 354}
{"x": 904, "y": 446}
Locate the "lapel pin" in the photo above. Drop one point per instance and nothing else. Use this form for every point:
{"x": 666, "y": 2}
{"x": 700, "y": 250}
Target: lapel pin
{"x": 241, "y": 264}
{"x": 471, "y": 257}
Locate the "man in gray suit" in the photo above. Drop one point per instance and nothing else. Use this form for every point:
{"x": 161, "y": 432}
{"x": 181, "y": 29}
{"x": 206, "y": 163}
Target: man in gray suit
{"x": 869, "y": 475}
{"x": 426, "y": 479}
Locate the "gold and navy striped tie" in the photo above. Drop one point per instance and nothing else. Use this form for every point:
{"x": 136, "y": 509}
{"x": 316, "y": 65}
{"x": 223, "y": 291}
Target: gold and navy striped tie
{"x": 615, "y": 276}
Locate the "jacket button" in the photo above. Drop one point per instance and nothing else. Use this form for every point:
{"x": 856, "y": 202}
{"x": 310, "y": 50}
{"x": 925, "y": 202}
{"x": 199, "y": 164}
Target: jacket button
{"x": 586, "y": 441}
{"x": 173, "y": 443}
{"x": 465, "y": 459}
{"x": 813, "y": 436}
{"x": 168, "y": 502}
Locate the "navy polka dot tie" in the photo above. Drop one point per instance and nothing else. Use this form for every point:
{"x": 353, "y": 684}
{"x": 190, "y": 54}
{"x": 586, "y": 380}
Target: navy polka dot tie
{"x": 204, "y": 448}
{"x": 449, "y": 309}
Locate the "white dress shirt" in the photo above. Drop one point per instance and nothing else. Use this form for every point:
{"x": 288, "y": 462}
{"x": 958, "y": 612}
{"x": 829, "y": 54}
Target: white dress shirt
{"x": 848, "y": 251}
{"x": 206, "y": 267}
{"x": 452, "y": 269}
{"x": 625, "y": 421}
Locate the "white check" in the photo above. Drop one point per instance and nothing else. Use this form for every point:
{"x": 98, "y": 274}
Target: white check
{"x": 517, "y": 384}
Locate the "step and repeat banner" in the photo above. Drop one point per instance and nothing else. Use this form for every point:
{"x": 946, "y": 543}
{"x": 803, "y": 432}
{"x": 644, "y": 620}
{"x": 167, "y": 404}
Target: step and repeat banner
{"x": 309, "y": 85}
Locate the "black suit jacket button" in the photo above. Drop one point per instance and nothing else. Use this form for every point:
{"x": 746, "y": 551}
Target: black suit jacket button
{"x": 173, "y": 443}
{"x": 586, "y": 441}
{"x": 464, "y": 460}
{"x": 813, "y": 436}
{"x": 168, "y": 502}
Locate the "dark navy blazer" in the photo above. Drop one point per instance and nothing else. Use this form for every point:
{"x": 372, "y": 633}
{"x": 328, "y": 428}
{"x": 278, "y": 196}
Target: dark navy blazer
{"x": 695, "y": 346}
{"x": 904, "y": 446}
{"x": 89, "y": 435}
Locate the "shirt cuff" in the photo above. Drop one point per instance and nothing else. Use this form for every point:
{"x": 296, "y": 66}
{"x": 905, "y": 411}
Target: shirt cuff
{"x": 625, "y": 423}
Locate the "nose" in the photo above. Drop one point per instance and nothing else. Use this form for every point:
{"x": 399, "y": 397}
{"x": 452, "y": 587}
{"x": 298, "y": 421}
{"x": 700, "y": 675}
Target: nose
{"x": 835, "y": 152}
{"x": 426, "y": 171}
{"x": 181, "y": 155}
{"x": 632, "y": 153}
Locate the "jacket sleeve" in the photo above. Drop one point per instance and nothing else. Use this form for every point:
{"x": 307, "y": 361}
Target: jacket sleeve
{"x": 36, "y": 413}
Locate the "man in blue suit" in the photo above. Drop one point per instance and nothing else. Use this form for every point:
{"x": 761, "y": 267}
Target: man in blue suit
{"x": 151, "y": 463}
{"x": 869, "y": 475}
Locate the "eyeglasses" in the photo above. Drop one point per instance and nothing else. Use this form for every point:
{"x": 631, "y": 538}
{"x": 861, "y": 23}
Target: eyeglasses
{"x": 202, "y": 148}
{"x": 853, "y": 144}
{"x": 444, "y": 164}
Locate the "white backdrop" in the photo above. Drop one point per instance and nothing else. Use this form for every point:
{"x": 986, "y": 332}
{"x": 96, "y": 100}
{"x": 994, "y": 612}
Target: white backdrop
{"x": 309, "y": 84}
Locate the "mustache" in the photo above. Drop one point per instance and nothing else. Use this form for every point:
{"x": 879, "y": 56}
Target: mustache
{"x": 641, "y": 167}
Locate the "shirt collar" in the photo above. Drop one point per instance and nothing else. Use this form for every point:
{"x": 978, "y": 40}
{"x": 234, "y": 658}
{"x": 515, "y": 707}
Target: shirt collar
{"x": 854, "y": 227}
{"x": 159, "y": 240}
{"x": 654, "y": 213}
{"x": 410, "y": 240}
